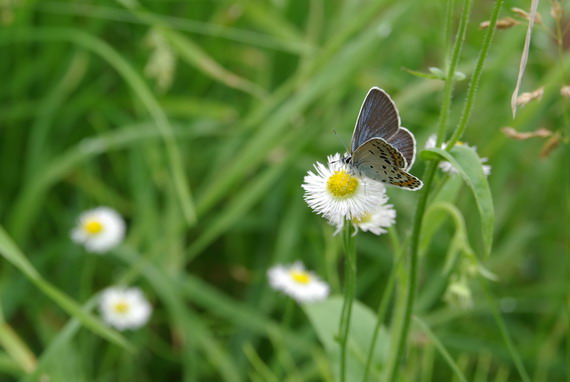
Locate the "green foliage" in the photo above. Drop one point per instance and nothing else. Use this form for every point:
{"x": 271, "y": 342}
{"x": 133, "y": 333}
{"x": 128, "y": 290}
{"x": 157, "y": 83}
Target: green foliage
{"x": 468, "y": 164}
{"x": 204, "y": 156}
{"x": 324, "y": 317}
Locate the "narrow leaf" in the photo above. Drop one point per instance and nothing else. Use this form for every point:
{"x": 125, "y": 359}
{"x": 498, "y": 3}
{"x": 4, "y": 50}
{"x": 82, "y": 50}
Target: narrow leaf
{"x": 16, "y": 348}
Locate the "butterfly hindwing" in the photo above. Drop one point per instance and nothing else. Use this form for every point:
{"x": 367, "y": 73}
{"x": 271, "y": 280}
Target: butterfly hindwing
{"x": 381, "y": 162}
{"x": 381, "y": 150}
{"x": 378, "y": 118}
{"x": 405, "y": 143}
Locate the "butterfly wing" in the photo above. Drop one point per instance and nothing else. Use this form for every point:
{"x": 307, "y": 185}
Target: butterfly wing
{"x": 378, "y": 160}
{"x": 405, "y": 143}
{"x": 378, "y": 118}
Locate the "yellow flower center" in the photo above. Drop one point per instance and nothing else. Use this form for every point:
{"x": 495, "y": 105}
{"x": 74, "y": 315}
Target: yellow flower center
{"x": 460, "y": 143}
{"x": 342, "y": 185}
{"x": 301, "y": 277}
{"x": 365, "y": 219}
{"x": 121, "y": 307}
{"x": 93, "y": 227}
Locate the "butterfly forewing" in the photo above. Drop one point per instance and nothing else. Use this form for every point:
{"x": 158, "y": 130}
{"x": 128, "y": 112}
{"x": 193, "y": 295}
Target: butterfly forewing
{"x": 378, "y": 118}
{"x": 381, "y": 162}
{"x": 405, "y": 143}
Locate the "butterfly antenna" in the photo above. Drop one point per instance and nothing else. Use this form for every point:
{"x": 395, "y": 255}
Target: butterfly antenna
{"x": 341, "y": 141}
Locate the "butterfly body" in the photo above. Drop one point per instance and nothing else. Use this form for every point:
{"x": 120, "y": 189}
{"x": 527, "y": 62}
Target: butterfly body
{"x": 381, "y": 149}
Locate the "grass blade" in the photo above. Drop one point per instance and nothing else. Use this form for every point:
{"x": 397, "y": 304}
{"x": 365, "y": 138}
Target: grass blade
{"x": 13, "y": 255}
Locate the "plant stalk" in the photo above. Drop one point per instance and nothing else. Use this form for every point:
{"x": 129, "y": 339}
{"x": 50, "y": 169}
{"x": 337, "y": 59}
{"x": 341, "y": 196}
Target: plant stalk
{"x": 349, "y": 288}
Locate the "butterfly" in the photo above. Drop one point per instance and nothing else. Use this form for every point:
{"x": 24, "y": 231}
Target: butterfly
{"x": 381, "y": 149}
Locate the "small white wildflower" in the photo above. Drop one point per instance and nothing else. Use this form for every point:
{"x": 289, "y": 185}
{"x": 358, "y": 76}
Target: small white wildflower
{"x": 336, "y": 193}
{"x": 448, "y": 167}
{"x": 99, "y": 230}
{"x": 124, "y": 308}
{"x": 298, "y": 283}
{"x": 382, "y": 217}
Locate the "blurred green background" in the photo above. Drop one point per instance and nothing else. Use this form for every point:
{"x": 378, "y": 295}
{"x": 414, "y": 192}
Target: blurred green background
{"x": 197, "y": 121}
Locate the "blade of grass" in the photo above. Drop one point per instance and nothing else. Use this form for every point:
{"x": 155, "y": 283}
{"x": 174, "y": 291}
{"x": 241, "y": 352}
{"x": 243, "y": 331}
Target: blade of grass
{"x": 258, "y": 365}
{"x": 14, "y": 256}
{"x": 492, "y": 302}
{"x": 29, "y": 202}
{"x": 49, "y": 107}
{"x": 441, "y": 349}
{"x": 63, "y": 338}
{"x": 190, "y": 326}
{"x": 113, "y": 58}
{"x": 179, "y": 23}
{"x": 194, "y": 55}
{"x": 16, "y": 348}
{"x": 243, "y": 201}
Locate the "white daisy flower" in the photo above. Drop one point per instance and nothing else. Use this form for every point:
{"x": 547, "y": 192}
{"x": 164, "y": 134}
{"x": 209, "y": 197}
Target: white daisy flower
{"x": 124, "y": 308}
{"x": 298, "y": 283}
{"x": 99, "y": 230}
{"x": 448, "y": 167}
{"x": 382, "y": 217}
{"x": 336, "y": 192}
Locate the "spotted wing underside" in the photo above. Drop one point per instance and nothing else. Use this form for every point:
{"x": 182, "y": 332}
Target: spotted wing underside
{"x": 405, "y": 143}
{"x": 380, "y": 161}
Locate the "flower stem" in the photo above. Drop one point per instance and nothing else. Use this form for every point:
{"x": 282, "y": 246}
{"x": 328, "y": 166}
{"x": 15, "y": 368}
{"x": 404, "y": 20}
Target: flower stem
{"x": 405, "y": 317}
{"x": 383, "y": 307}
{"x": 474, "y": 83}
{"x": 349, "y": 288}
{"x": 449, "y": 77}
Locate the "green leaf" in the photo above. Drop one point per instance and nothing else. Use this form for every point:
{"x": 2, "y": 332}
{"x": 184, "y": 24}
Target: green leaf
{"x": 447, "y": 193}
{"x": 460, "y": 241}
{"x": 324, "y": 317}
{"x": 468, "y": 163}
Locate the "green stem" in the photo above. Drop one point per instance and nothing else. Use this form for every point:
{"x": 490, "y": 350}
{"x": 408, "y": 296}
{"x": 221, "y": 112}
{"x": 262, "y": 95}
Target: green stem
{"x": 406, "y": 316}
{"x": 474, "y": 83}
{"x": 448, "y": 89}
{"x": 349, "y": 288}
{"x": 383, "y": 307}
{"x": 447, "y": 31}
{"x": 393, "y": 368}
{"x": 505, "y": 333}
